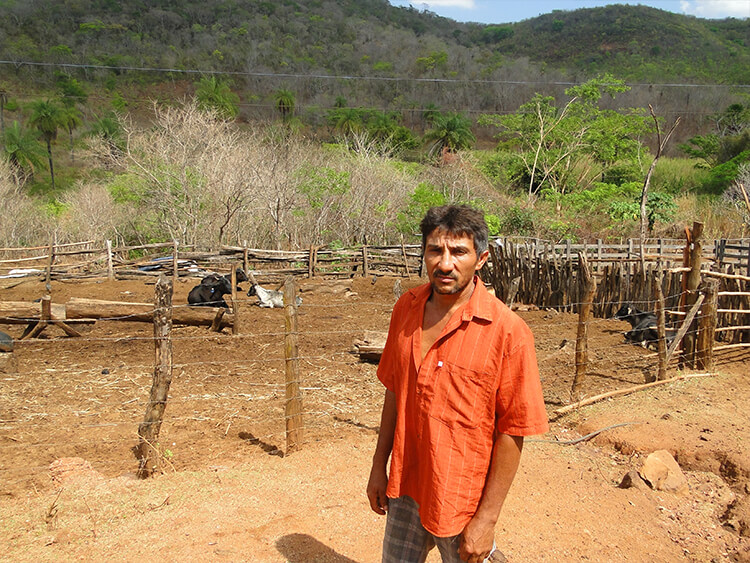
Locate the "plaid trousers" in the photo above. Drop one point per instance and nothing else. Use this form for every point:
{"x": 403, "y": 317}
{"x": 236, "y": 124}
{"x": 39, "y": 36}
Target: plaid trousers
{"x": 406, "y": 540}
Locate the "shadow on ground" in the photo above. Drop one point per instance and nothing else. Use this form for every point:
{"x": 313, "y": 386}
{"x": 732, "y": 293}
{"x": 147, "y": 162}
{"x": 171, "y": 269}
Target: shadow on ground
{"x": 303, "y": 548}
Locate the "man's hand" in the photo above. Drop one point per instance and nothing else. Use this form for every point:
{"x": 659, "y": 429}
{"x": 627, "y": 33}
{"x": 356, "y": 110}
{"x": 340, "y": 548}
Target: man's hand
{"x": 477, "y": 541}
{"x": 376, "y": 487}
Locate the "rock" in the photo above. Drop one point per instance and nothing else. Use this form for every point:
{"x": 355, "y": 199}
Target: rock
{"x": 661, "y": 470}
{"x": 632, "y": 480}
{"x": 6, "y": 342}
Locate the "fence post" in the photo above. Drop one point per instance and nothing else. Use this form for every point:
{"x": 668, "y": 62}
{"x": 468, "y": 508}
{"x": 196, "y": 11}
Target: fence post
{"x": 235, "y": 304}
{"x": 311, "y": 263}
{"x": 48, "y": 275}
{"x": 691, "y": 293}
{"x": 365, "y": 262}
{"x": 661, "y": 322}
{"x": 147, "y": 452}
{"x": 293, "y": 410}
{"x": 704, "y": 356}
{"x": 587, "y": 285}
{"x": 406, "y": 261}
{"x": 110, "y": 265}
{"x": 175, "y": 272}
{"x": 245, "y": 261}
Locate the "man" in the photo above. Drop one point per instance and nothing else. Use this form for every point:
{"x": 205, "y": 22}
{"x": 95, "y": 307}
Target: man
{"x": 462, "y": 390}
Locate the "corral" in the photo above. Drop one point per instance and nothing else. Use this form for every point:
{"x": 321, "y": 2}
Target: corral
{"x": 229, "y": 494}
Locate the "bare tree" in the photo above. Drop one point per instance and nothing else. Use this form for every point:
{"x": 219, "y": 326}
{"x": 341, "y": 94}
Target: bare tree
{"x": 660, "y": 144}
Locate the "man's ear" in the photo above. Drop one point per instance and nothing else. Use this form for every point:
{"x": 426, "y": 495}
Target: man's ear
{"x": 482, "y": 260}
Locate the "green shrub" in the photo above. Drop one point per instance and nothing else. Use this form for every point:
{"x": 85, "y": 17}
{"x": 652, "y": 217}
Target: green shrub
{"x": 517, "y": 221}
{"x": 623, "y": 173}
{"x": 425, "y": 195}
{"x": 720, "y": 177}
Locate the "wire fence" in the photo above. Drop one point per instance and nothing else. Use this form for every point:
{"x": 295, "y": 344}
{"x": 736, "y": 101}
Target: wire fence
{"x": 86, "y": 396}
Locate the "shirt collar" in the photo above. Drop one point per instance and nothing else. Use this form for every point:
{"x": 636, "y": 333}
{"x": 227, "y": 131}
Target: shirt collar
{"x": 480, "y": 303}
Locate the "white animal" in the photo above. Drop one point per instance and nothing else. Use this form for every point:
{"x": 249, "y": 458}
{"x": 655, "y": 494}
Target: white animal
{"x": 269, "y": 298}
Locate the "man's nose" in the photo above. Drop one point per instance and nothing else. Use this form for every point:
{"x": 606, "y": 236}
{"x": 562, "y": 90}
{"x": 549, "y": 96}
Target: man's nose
{"x": 445, "y": 262}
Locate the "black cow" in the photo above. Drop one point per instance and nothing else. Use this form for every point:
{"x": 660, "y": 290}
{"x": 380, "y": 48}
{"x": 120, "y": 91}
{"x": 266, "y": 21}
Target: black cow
{"x": 210, "y": 292}
{"x": 644, "y": 329}
{"x": 643, "y": 324}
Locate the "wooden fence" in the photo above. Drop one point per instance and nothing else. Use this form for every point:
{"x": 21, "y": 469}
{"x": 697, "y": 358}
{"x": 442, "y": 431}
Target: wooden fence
{"x": 86, "y": 260}
{"x": 520, "y": 273}
{"x": 89, "y": 259}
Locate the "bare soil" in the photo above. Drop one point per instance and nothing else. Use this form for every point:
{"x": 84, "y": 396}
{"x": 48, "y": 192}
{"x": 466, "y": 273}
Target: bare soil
{"x": 228, "y": 492}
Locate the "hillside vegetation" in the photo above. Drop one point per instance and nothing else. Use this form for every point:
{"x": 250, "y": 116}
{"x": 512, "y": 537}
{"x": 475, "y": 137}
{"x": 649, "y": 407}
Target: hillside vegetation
{"x": 317, "y": 122}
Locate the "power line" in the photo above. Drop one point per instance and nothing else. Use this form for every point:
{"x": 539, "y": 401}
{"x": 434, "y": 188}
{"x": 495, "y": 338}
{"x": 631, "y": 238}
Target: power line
{"x": 350, "y": 77}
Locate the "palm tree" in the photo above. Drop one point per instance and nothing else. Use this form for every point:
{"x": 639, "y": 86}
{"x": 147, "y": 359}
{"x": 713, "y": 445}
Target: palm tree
{"x": 23, "y": 151}
{"x": 70, "y": 118}
{"x": 216, "y": 95}
{"x": 46, "y": 116}
{"x": 109, "y": 129}
{"x": 285, "y": 102}
{"x": 346, "y": 120}
{"x": 450, "y": 132}
{"x": 430, "y": 112}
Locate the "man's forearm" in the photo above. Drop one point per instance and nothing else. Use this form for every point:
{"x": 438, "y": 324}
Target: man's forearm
{"x": 506, "y": 455}
{"x": 387, "y": 430}
{"x": 478, "y": 536}
{"x": 377, "y": 484}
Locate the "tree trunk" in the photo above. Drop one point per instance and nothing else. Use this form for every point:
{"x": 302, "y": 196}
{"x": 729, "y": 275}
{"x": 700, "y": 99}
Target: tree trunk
{"x": 51, "y": 167}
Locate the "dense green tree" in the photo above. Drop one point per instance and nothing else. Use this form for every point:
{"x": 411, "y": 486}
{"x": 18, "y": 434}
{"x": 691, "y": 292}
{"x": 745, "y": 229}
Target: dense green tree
{"x": 47, "y": 117}
{"x": 71, "y": 91}
{"x": 724, "y": 149}
{"x": 216, "y": 95}
{"x": 557, "y": 144}
{"x": 23, "y": 151}
{"x": 451, "y": 132}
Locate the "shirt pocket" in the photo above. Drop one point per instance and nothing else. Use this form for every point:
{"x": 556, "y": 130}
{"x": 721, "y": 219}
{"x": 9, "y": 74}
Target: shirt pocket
{"x": 461, "y": 397}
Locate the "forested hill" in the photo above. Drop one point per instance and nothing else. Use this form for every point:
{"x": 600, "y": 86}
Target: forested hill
{"x": 371, "y": 38}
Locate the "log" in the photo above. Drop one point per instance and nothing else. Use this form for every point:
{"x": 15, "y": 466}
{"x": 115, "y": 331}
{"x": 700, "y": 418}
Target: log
{"x": 21, "y": 312}
{"x": 82, "y": 308}
{"x": 627, "y": 391}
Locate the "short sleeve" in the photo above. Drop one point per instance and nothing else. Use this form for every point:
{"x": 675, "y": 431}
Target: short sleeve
{"x": 520, "y": 409}
{"x": 387, "y": 365}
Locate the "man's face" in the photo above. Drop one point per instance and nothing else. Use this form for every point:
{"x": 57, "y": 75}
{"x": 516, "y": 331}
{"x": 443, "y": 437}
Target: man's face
{"x": 451, "y": 261}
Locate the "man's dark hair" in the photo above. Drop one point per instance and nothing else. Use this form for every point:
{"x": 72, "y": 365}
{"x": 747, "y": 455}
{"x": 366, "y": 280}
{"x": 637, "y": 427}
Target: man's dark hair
{"x": 456, "y": 220}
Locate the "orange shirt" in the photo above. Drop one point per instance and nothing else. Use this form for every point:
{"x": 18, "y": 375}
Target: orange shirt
{"x": 479, "y": 379}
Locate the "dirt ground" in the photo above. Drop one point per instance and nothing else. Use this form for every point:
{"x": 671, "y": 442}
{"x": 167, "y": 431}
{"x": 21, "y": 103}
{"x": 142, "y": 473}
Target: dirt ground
{"x": 228, "y": 492}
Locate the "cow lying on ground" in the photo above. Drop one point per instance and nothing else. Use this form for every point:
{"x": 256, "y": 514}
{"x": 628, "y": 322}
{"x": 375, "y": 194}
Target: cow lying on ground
{"x": 212, "y": 289}
{"x": 644, "y": 329}
{"x": 269, "y": 298}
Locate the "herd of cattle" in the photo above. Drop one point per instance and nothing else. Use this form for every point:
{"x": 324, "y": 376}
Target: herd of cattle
{"x": 213, "y": 287}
